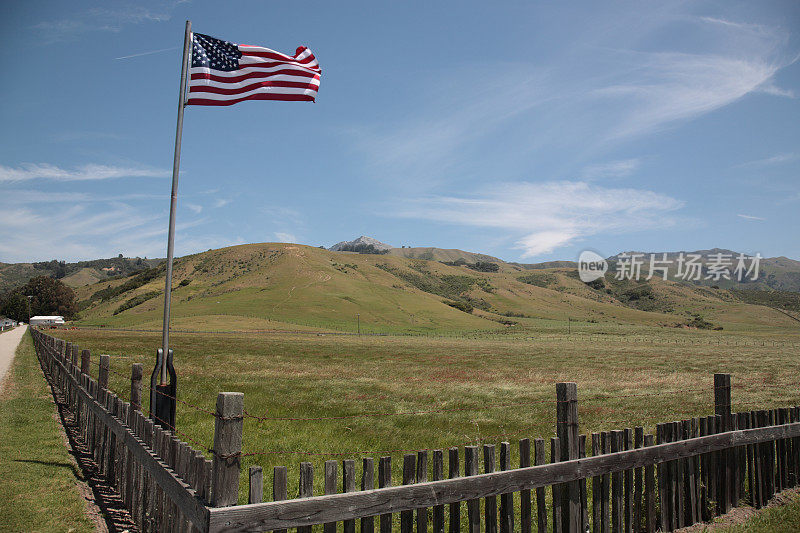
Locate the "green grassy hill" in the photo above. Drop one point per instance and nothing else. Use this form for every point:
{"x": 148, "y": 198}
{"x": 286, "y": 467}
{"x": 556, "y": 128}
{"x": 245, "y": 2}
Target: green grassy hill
{"x": 277, "y": 286}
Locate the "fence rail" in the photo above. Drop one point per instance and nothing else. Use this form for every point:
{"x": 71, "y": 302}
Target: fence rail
{"x": 688, "y": 472}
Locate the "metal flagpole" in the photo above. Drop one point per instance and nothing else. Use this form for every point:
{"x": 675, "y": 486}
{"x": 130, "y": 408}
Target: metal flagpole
{"x": 164, "y": 405}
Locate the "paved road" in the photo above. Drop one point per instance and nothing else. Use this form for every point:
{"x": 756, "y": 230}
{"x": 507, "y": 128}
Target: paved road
{"x": 9, "y": 340}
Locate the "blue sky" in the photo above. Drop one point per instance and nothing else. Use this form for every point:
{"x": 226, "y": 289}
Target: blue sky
{"x": 529, "y": 131}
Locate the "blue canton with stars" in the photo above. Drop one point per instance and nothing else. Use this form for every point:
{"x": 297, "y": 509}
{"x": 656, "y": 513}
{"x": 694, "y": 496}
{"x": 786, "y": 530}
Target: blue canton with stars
{"x": 214, "y": 53}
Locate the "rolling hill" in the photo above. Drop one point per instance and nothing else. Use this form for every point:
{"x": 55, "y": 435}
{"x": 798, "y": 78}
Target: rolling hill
{"x": 77, "y": 274}
{"x": 275, "y": 285}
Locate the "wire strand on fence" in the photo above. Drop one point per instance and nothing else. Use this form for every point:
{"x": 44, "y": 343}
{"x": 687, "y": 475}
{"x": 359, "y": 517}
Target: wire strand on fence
{"x": 162, "y": 393}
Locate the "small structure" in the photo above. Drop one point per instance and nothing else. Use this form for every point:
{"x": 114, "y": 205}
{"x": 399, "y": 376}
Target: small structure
{"x": 7, "y": 323}
{"x": 46, "y": 320}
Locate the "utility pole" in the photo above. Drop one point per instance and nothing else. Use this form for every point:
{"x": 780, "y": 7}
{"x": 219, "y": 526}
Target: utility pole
{"x": 358, "y": 318}
{"x": 569, "y": 325}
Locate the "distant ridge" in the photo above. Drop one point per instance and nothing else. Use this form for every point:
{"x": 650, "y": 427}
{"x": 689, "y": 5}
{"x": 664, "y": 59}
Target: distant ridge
{"x": 366, "y": 244}
{"x": 546, "y": 264}
{"x": 443, "y": 254}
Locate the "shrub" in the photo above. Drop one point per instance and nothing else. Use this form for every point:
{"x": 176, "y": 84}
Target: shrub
{"x": 137, "y": 300}
{"x": 484, "y": 266}
{"x": 134, "y": 283}
{"x": 461, "y": 306}
{"x": 597, "y": 284}
{"x": 543, "y": 279}
{"x": 697, "y": 321}
{"x": 362, "y": 249}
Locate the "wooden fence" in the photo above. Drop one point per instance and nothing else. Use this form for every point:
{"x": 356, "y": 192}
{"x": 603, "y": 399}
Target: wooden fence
{"x": 688, "y": 472}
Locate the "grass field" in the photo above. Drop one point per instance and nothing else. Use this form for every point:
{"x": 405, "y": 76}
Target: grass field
{"x": 38, "y": 482}
{"x": 488, "y": 388}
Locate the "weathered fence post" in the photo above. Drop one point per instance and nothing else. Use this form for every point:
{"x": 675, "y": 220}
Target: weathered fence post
{"x": 136, "y": 386}
{"x": 100, "y": 396}
{"x": 329, "y": 475}
{"x": 279, "y": 488}
{"x": 306, "y": 488}
{"x": 409, "y": 469}
{"x": 385, "y": 480}
{"x": 722, "y": 407}
{"x": 506, "y": 500}
{"x": 255, "y": 492}
{"x": 349, "y": 485}
{"x": 568, "y": 435}
{"x": 227, "y": 448}
{"x": 473, "y": 506}
{"x": 85, "y": 362}
{"x": 368, "y": 483}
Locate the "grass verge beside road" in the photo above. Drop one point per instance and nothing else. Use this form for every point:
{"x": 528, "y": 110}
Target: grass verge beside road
{"x": 38, "y": 485}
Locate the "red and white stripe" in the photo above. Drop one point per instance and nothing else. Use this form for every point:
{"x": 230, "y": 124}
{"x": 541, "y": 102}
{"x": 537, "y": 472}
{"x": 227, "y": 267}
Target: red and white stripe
{"x": 264, "y": 75}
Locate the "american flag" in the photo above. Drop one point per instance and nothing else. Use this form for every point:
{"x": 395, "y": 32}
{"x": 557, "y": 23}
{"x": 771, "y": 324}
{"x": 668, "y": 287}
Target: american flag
{"x": 224, "y": 73}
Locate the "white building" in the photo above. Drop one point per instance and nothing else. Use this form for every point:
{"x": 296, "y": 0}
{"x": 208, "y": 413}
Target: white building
{"x": 46, "y": 320}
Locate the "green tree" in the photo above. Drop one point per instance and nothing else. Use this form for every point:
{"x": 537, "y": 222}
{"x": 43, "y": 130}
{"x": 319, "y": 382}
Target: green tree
{"x": 15, "y": 306}
{"x": 50, "y": 297}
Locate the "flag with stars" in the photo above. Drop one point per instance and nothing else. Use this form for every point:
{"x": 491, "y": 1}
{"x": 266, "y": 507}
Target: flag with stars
{"x": 225, "y": 73}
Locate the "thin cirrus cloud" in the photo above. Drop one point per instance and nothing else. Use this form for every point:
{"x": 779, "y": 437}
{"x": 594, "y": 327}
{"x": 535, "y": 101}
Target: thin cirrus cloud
{"x": 611, "y": 169}
{"x": 778, "y": 159}
{"x": 546, "y": 216}
{"x": 676, "y": 86}
{"x": 750, "y": 217}
{"x": 101, "y": 19}
{"x": 610, "y": 91}
{"x": 195, "y": 208}
{"x": 34, "y": 171}
{"x": 90, "y": 229}
{"x": 285, "y": 237}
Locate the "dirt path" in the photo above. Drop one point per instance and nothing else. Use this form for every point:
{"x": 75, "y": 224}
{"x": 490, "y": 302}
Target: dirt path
{"x": 9, "y": 340}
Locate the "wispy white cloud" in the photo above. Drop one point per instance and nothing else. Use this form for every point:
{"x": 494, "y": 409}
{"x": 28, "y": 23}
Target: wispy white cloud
{"x": 282, "y": 215}
{"x": 425, "y": 145}
{"x": 611, "y": 169}
{"x": 197, "y": 209}
{"x": 543, "y": 217}
{"x": 32, "y": 171}
{"x": 132, "y": 14}
{"x": 285, "y": 237}
{"x": 222, "y": 202}
{"x": 85, "y": 228}
{"x": 605, "y": 91}
{"x": 72, "y": 232}
{"x": 750, "y": 217}
{"x": 669, "y": 87}
{"x": 70, "y": 136}
{"x": 769, "y": 161}
{"x": 33, "y": 196}
{"x": 102, "y": 19}
{"x": 88, "y": 225}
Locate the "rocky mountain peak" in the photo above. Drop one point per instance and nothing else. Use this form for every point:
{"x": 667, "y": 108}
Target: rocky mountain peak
{"x": 361, "y": 242}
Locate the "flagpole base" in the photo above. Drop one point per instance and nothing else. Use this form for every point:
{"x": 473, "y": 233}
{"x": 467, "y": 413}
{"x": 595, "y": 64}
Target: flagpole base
{"x": 163, "y": 396}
